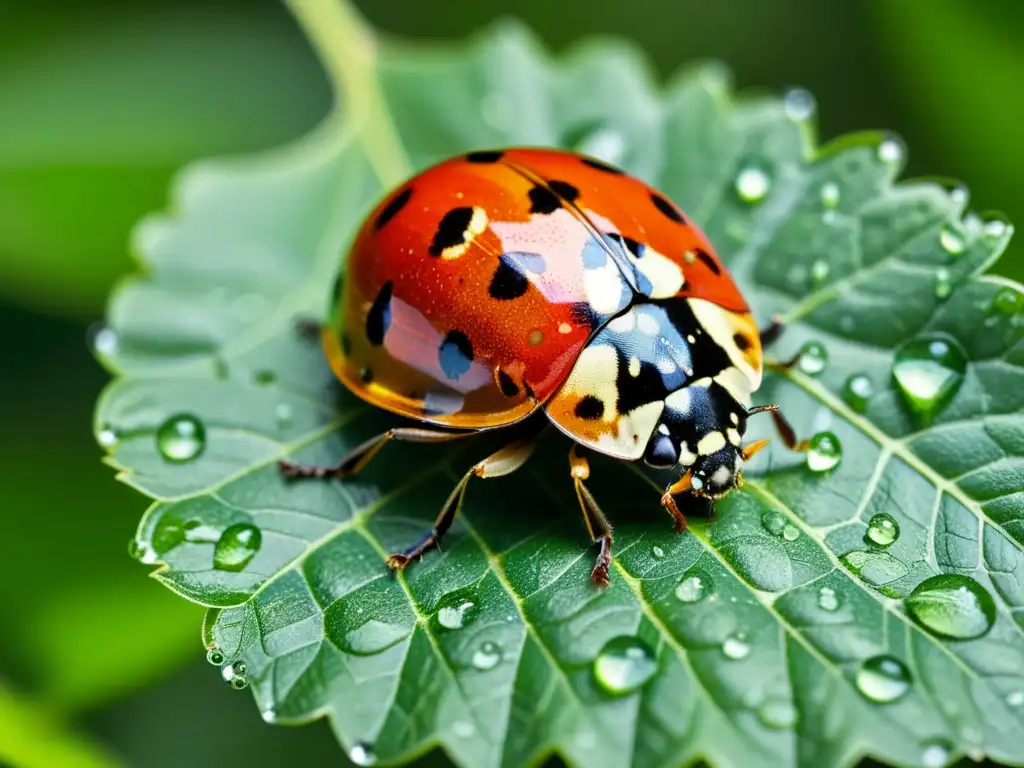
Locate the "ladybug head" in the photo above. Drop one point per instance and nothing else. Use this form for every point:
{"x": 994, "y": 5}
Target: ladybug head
{"x": 715, "y": 474}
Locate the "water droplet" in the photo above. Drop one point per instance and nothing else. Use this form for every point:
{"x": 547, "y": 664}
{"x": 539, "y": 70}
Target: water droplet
{"x": 104, "y": 340}
{"x": 624, "y": 664}
{"x": 934, "y": 754}
{"x": 857, "y": 391}
{"x": 736, "y": 647}
{"x": 269, "y": 715}
{"x": 181, "y": 438}
{"x": 657, "y": 552}
{"x": 798, "y": 104}
{"x": 995, "y": 228}
{"x": 107, "y": 438}
{"x": 883, "y": 679}
{"x": 951, "y": 605}
{"x": 943, "y": 284}
{"x": 890, "y": 151}
{"x": 928, "y": 371}
{"x": 773, "y": 522}
{"x": 1015, "y": 698}
{"x": 456, "y": 615}
{"x": 1008, "y": 302}
{"x": 790, "y": 532}
{"x": 283, "y": 413}
{"x": 487, "y": 656}
{"x": 952, "y": 240}
{"x": 827, "y": 599}
{"x": 235, "y": 674}
{"x": 819, "y": 272}
{"x": 830, "y": 195}
{"x": 813, "y": 358}
{"x": 463, "y": 729}
{"x": 753, "y": 183}
{"x": 777, "y": 713}
{"x": 694, "y": 588}
{"x": 137, "y": 550}
{"x": 362, "y": 754}
{"x": 236, "y": 547}
{"x": 215, "y": 657}
{"x": 825, "y": 452}
{"x": 882, "y": 530}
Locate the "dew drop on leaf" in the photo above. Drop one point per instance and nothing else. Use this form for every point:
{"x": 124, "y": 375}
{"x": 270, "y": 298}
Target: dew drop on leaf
{"x": 952, "y": 240}
{"x": 830, "y": 195}
{"x": 463, "y": 729}
{"x": 107, "y": 438}
{"x": 362, "y": 754}
{"x": 934, "y": 754}
{"x": 777, "y": 713}
{"x": 1015, "y": 698}
{"x": 236, "y": 547}
{"x": 624, "y": 664}
{"x": 995, "y": 228}
{"x": 882, "y": 530}
{"x": 753, "y": 182}
{"x": 457, "y": 614}
{"x": 657, "y": 552}
{"x": 825, "y": 452}
{"x": 235, "y": 674}
{"x": 928, "y": 371}
{"x": 813, "y": 358}
{"x": 952, "y": 605}
{"x": 883, "y": 679}
{"x": 857, "y": 391}
{"x": 827, "y": 599}
{"x": 269, "y": 715}
{"x": 790, "y": 532}
{"x": 890, "y": 151}
{"x": 181, "y": 438}
{"x": 943, "y": 284}
{"x": 1007, "y": 301}
{"x": 694, "y": 588}
{"x": 215, "y": 657}
{"x": 136, "y": 550}
{"x": 736, "y": 647}
{"x": 487, "y": 656}
{"x": 819, "y": 272}
{"x": 283, "y": 413}
{"x": 798, "y": 104}
{"x": 773, "y": 522}
{"x": 103, "y": 340}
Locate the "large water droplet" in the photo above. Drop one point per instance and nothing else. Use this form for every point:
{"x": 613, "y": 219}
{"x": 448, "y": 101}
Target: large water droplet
{"x": 215, "y": 657}
{"x": 694, "y": 588}
{"x": 928, "y": 371}
{"x": 181, "y": 438}
{"x": 830, "y": 195}
{"x": 487, "y": 656}
{"x": 798, "y": 104}
{"x": 753, "y": 182}
{"x": 736, "y": 647}
{"x": 883, "y": 679}
{"x": 934, "y": 754}
{"x": 813, "y": 358}
{"x": 1008, "y": 302}
{"x": 882, "y": 530}
{"x": 235, "y": 674}
{"x": 943, "y": 283}
{"x": 456, "y": 614}
{"x": 952, "y": 240}
{"x": 951, "y": 605}
{"x": 777, "y": 713}
{"x": 825, "y": 452}
{"x": 624, "y": 664}
{"x": 236, "y": 547}
{"x": 362, "y": 754}
{"x": 827, "y": 599}
{"x": 857, "y": 391}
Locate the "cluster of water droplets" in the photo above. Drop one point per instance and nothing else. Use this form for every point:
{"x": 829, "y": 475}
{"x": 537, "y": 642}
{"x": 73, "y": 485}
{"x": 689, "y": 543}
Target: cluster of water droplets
{"x": 235, "y": 673}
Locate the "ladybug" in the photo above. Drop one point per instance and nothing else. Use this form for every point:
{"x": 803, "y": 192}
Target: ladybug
{"x": 499, "y": 283}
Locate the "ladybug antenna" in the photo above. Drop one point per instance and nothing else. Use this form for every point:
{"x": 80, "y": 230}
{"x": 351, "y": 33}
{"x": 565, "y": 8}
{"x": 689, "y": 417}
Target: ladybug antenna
{"x": 762, "y": 409}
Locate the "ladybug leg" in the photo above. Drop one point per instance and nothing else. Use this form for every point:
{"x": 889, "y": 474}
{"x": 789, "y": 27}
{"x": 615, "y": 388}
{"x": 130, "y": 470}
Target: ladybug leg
{"x": 782, "y": 426}
{"x": 502, "y": 462}
{"x": 361, "y": 455}
{"x": 597, "y": 523}
{"x": 669, "y": 503}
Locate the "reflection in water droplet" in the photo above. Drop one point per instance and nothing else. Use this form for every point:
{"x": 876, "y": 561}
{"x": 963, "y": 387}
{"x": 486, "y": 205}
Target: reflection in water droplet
{"x": 825, "y": 452}
{"x": 777, "y": 713}
{"x": 181, "y": 438}
{"x": 1007, "y": 302}
{"x": 819, "y": 272}
{"x": 890, "y": 151}
{"x": 624, "y": 664}
{"x": 943, "y": 284}
{"x": 107, "y": 438}
{"x": 235, "y": 675}
{"x": 827, "y": 599}
{"x": 857, "y": 391}
{"x": 736, "y": 647}
{"x": 753, "y": 183}
{"x": 236, "y": 547}
{"x": 456, "y": 615}
{"x": 951, "y": 605}
{"x": 882, "y": 530}
{"x": 928, "y": 371}
{"x": 463, "y": 729}
{"x": 934, "y": 754}
{"x": 694, "y": 588}
{"x": 952, "y": 240}
{"x": 798, "y": 104}
{"x": 362, "y": 754}
{"x": 215, "y": 657}
{"x": 813, "y": 358}
{"x": 830, "y": 195}
{"x": 790, "y": 532}
{"x": 883, "y": 679}
{"x": 487, "y": 656}
{"x": 657, "y": 552}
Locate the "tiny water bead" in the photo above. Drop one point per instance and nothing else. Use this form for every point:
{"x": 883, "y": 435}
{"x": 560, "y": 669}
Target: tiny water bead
{"x": 858, "y": 391}
{"x": 753, "y": 182}
{"x": 773, "y": 522}
{"x": 457, "y": 614}
{"x": 104, "y": 340}
{"x": 657, "y": 552}
{"x": 883, "y": 679}
{"x": 235, "y": 675}
{"x": 1008, "y": 302}
{"x": 830, "y": 195}
{"x": 1015, "y": 698}
{"x": 777, "y": 713}
{"x": 236, "y": 547}
{"x": 107, "y": 438}
{"x": 283, "y": 413}
{"x": 181, "y": 438}
{"x": 694, "y": 588}
{"x": 828, "y": 600}
{"x": 215, "y": 657}
{"x": 953, "y": 606}
{"x": 935, "y": 754}
{"x": 463, "y": 729}
{"x": 819, "y": 272}
{"x": 890, "y": 151}
{"x": 943, "y": 283}
{"x": 928, "y": 371}
{"x": 362, "y": 754}
{"x": 798, "y": 104}
{"x": 995, "y": 228}
{"x": 136, "y": 549}
{"x": 487, "y": 656}
{"x": 790, "y": 532}
{"x": 813, "y": 358}
{"x": 624, "y": 664}
{"x": 736, "y": 647}
{"x": 952, "y": 240}
{"x": 882, "y": 530}
{"x": 825, "y": 452}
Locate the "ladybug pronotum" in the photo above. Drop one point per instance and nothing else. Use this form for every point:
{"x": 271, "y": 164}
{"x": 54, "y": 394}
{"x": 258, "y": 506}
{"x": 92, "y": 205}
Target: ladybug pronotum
{"x": 500, "y": 283}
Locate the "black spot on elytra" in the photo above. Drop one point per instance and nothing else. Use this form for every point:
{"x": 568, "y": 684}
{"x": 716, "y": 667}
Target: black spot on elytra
{"x": 508, "y": 387}
{"x": 646, "y": 387}
{"x": 667, "y": 208}
{"x": 590, "y": 408}
{"x": 564, "y": 190}
{"x": 708, "y": 358}
{"x": 486, "y": 156}
{"x": 543, "y": 200}
{"x": 709, "y": 262}
{"x": 508, "y": 282}
{"x": 455, "y": 354}
{"x": 741, "y": 341}
{"x": 602, "y": 166}
{"x": 392, "y": 208}
{"x": 583, "y": 314}
{"x": 378, "y": 319}
{"x": 451, "y": 230}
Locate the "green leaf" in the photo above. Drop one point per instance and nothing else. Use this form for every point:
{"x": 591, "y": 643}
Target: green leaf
{"x": 778, "y": 631}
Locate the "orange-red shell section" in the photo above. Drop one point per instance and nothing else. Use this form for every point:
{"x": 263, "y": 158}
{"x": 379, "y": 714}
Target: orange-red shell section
{"x": 470, "y": 291}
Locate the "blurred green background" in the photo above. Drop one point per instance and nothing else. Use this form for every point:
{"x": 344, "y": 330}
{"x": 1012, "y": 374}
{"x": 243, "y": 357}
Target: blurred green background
{"x": 101, "y": 103}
